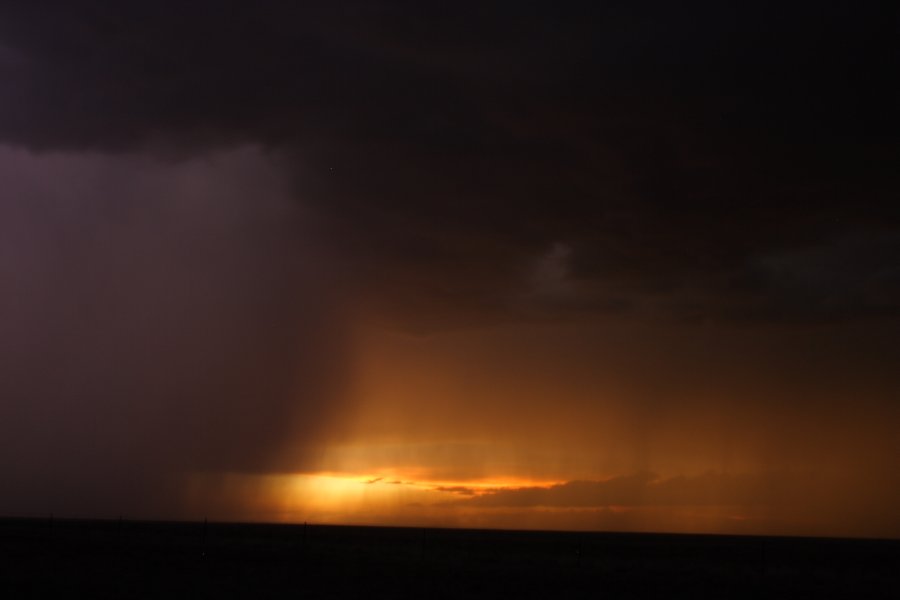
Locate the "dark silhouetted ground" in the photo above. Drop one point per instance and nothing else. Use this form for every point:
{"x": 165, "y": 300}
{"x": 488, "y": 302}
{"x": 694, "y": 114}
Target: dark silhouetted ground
{"x": 127, "y": 559}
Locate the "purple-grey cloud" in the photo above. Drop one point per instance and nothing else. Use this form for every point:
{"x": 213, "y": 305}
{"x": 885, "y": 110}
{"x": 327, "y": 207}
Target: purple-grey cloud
{"x": 159, "y": 319}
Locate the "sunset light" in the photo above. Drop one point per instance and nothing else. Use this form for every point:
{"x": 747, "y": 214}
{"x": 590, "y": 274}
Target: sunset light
{"x": 584, "y": 268}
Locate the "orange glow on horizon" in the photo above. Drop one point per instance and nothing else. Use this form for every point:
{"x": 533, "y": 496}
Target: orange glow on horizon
{"x": 419, "y": 479}
{"x": 378, "y": 499}
{"x": 493, "y": 430}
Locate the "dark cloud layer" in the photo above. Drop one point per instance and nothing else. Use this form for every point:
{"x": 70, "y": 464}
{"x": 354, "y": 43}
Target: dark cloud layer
{"x": 640, "y": 489}
{"x": 799, "y": 503}
{"x": 689, "y": 158}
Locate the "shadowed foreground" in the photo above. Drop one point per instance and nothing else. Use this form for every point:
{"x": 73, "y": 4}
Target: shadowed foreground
{"x": 117, "y": 559}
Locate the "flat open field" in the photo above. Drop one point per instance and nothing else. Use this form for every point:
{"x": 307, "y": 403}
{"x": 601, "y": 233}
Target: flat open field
{"x": 128, "y": 559}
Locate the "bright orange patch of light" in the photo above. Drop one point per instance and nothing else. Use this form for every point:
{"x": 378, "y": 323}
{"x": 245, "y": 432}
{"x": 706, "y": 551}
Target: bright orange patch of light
{"x": 380, "y": 498}
{"x": 418, "y": 479}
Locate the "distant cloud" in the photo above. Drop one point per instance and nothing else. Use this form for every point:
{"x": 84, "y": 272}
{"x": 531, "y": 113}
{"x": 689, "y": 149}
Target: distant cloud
{"x": 457, "y": 489}
{"x": 639, "y": 489}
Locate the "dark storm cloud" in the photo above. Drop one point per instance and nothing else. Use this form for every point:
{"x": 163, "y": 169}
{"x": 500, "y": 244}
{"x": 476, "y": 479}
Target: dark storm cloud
{"x": 678, "y": 152}
{"x": 159, "y": 320}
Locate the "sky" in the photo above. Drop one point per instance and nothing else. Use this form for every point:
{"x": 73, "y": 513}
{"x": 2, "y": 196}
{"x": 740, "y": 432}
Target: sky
{"x": 614, "y": 266}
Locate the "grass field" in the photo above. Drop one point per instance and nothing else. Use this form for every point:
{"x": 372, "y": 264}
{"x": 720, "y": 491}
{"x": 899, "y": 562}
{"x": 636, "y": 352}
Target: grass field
{"x": 129, "y": 559}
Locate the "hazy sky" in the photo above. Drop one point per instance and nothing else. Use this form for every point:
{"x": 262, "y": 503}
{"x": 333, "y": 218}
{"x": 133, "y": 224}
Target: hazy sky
{"x": 601, "y": 265}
